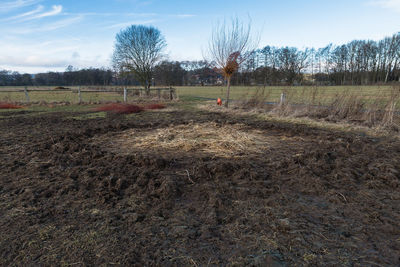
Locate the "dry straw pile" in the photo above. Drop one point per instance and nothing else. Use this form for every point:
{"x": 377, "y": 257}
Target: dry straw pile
{"x": 210, "y": 138}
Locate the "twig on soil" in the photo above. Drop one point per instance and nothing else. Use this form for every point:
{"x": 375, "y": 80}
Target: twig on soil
{"x": 322, "y": 236}
{"x": 185, "y": 257}
{"x": 194, "y": 263}
{"x": 51, "y": 137}
{"x": 190, "y": 179}
{"x": 373, "y": 263}
{"x": 314, "y": 232}
{"x": 75, "y": 263}
{"x": 342, "y": 196}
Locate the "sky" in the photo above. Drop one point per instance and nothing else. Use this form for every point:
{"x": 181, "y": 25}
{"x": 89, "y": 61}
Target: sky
{"x": 48, "y": 35}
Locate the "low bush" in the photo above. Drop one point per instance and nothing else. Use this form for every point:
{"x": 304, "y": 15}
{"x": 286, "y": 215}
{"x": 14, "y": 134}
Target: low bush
{"x": 9, "y": 106}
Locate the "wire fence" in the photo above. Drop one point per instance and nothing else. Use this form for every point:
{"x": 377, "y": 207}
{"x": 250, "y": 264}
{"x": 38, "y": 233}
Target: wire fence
{"x": 80, "y": 94}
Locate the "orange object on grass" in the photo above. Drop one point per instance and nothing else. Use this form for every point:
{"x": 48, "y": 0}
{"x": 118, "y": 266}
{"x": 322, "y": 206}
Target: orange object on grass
{"x": 219, "y": 102}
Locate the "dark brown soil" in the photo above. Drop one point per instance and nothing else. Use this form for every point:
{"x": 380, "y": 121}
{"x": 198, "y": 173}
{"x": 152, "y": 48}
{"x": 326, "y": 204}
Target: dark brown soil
{"x": 312, "y": 197}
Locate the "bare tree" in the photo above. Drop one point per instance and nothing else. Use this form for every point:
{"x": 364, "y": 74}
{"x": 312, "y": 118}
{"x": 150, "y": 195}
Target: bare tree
{"x": 137, "y": 50}
{"x": 230, "y": 46}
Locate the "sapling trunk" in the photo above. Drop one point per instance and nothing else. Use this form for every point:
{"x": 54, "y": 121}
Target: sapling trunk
{"x": 147, "y": 89}
{"x": 227, "y": 91}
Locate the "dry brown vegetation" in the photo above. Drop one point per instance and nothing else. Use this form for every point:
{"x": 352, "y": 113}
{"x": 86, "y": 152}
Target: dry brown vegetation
{"x": 379, "y": 110}
{"x": 224, "y": 141}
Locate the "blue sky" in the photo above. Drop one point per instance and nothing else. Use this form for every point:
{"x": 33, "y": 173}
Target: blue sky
{"x": 49, "y": 35}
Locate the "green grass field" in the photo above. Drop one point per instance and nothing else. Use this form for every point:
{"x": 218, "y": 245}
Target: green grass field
{"x": 298, "y": 94}
{"x": 63, "y": 96}
{"x": 273, "y": 93}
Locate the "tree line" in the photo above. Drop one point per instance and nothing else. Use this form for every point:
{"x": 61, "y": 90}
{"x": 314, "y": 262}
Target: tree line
{"x": 91, "y": 76}
{"x": 359, "y": 62}
{"x": 166, "y": 73}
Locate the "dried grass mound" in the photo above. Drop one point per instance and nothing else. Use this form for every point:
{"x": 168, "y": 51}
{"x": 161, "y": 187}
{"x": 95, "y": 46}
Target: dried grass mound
{"x": 9, "y": 106}
{"x": 210, "y": 138}
{"x": 120, "y": 108}
{"x": 154, "y": 106}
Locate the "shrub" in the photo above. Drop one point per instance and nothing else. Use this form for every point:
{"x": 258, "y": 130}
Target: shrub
{"x": 9, "y": 106}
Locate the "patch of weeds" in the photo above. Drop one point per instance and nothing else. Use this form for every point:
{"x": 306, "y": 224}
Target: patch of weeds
{"x": 46, "y": 232}
{"x": 309, "y": 257}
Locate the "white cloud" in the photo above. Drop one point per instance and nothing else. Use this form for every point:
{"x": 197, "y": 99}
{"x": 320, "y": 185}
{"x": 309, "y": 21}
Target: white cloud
{"x": 126, "y": 24}
{"x": 56, "y": 55}
{"x": 26, "y": 14}
{"x": 10, "y": 5}
{"x": 17, "y": 46}
{"x": 46, "y": 27}
{"x": 144, "y": 22}
{"x": 56, "y": 9}
{"x": 34, "y": 14}
{"x": 32, "y": 61}
{"x": 393, "y": 5}
{"x": 182, "y": 16}
{"x": 142, "y": 14}
{"x": 109, "y": 14}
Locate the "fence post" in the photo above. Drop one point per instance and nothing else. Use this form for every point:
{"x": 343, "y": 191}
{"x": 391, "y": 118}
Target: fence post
{"x": 159, "y": 93}
{"x": 26, "y": 94}
{"x": 79, "y": 94}
{"x": 170, "y": 93}
{"x": 125, "y": 94}
{"x": 283, "y": 99}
